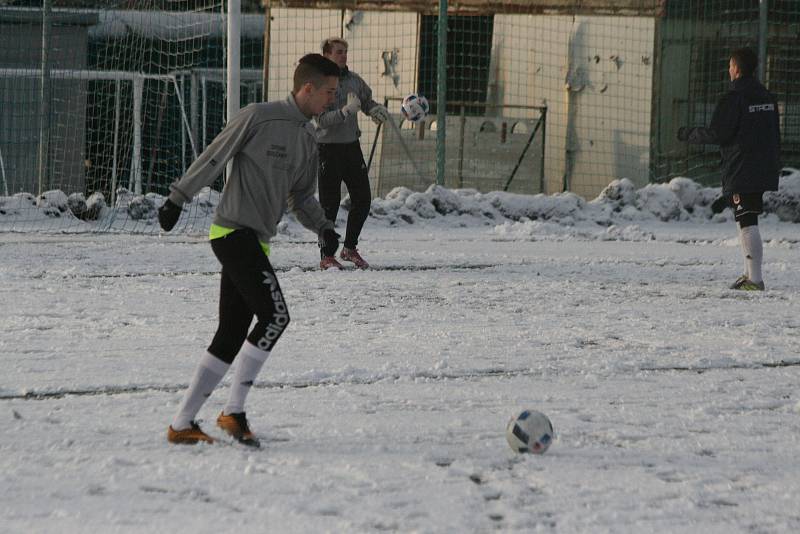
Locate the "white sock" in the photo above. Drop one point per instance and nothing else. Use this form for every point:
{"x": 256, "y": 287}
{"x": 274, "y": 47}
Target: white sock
{"x": 746, "y": 271}
{"x": 249, "y": 362}
{"x": 208, "y": 374}
{"x": 753, "y": 252}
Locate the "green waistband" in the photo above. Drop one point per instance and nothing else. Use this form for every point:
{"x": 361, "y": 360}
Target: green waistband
{"x": 216, "y": 232}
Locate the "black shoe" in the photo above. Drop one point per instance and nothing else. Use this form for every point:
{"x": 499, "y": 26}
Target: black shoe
{"x": 236, "y": 425}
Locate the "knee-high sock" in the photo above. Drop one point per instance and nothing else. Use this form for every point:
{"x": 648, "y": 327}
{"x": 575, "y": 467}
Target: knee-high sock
{"x": 753, "y": 251}
{"x": 249, "y": 362}
{"x": 746, "y": 270}
{"x": 208, "y": 374}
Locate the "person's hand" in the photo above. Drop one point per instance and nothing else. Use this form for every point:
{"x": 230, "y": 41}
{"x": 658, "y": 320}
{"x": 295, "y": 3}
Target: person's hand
{"x": 719, "y": 205}
{"x": 329, "y": 242}
{"x": 168, "y": 215}
{"x": 353, "y": 104}
{"x": 379, "y": 114}
{"x": 683, "y": 133}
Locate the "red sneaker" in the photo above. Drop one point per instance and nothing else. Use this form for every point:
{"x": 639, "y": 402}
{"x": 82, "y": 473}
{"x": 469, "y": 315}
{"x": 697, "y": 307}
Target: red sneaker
{"x": 352, "y": 255}
{"x": 329, "y": 262}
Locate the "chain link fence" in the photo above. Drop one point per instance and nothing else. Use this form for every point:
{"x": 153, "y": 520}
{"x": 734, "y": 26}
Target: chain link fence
{"x": 541, "y": 96}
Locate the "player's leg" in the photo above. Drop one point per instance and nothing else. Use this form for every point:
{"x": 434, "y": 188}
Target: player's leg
{"x": 234, "y": 320}
{"x": 746, "y": 208}
{"x": 207, "y": 375}
{"x": 272, "y": 317}
{"x": 258, "y": 287}
{"x": 746, "y": 269}
{"x": 329, "y": 185}
{"x": 356, "y": 179}
{"x": 330, "y": 180}
{"x": 753, "y": 247}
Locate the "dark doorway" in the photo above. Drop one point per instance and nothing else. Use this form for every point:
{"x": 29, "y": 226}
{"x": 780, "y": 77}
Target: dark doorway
{"x": 469, "y": 48}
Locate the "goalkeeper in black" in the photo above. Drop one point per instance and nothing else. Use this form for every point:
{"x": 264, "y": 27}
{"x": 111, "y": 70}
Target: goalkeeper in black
{"x": 274, "y": 167}
{"x": 746, "y": 127}
{"x": 340, "y": 156}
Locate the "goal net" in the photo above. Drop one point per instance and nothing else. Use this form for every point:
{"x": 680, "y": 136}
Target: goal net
{"x": 104, "y": 105}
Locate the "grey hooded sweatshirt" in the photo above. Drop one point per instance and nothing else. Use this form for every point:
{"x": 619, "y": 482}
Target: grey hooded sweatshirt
{"x": 274, "y": 166}
{"x": 333, "y": 126}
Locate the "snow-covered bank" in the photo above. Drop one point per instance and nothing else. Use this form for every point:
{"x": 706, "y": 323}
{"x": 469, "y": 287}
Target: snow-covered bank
{"x": 620, "y": 202}
{"x": 681, "y": 199}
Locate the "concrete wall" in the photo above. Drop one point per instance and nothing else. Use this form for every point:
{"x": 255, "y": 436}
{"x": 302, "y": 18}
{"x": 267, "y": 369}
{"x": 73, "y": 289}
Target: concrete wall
{"x": 595, "y": 76}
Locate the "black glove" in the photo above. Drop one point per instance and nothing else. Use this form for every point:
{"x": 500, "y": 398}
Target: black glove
{"x": 719, "y": 205}
{"x": 329, "y": 242}
{"x": 683, "y": 133}
{"x": 168, "y": 215}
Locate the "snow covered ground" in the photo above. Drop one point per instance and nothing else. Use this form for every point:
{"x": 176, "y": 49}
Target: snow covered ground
{"x": 676, "y": 402}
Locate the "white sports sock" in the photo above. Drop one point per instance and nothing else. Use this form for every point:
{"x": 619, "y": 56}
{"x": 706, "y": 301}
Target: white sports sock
{"x": 249, "y": 362}
{"x": 208, "y": 374}
{"x": 746, "y": 271}
{"x": 753, "y": 251}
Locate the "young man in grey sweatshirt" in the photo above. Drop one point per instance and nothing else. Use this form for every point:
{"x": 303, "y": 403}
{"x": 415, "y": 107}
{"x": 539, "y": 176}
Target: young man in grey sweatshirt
{"x": 274, "y": 166}
{"x": 340, "y": 156}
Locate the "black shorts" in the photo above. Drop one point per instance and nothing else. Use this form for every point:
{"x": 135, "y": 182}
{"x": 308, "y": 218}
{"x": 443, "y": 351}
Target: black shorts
{"x": 746, "y": 204}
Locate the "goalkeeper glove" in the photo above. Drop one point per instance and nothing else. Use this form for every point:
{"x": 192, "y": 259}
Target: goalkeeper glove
{"x": 379, "y": 114}
{"x": 352, "y": 106}
{"x": 168, "y": 215}
{"x": 329, "y": 242}
{"x": 719, "y": 205}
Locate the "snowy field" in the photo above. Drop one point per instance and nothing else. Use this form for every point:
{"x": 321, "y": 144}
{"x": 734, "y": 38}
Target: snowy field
{"x": 676, "y": 401}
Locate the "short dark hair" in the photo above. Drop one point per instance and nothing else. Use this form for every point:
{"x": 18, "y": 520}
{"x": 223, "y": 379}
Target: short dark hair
{"x": 746, "y": 60}
{"x": 314, "y": 68}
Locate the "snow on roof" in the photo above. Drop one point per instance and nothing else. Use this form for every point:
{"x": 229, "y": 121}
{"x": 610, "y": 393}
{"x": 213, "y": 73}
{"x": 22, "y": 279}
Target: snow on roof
{"x": 171, "y": 25}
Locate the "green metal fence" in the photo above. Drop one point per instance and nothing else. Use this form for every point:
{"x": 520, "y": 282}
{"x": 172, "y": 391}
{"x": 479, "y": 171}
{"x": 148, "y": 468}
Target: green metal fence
{"x": 694, "y": 39}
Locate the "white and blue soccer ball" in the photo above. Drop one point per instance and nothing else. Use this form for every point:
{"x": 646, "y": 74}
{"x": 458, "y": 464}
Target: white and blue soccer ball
{"x": 415, "y": 107}
{"x": 530, "y": 432}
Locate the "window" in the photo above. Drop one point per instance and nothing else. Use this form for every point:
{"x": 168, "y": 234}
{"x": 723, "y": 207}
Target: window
{"x": 469, "y": 48}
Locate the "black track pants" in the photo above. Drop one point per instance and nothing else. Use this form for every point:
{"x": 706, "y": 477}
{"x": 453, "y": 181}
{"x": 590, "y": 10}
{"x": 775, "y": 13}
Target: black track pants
{"x": 344, "y": 163}
{"x": 248, "y": 288}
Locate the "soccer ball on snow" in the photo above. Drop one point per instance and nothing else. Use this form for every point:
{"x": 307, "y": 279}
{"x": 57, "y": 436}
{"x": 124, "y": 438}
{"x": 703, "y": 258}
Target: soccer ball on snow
{"x": 415, "y": 107}
{"x": 530, "y": 431}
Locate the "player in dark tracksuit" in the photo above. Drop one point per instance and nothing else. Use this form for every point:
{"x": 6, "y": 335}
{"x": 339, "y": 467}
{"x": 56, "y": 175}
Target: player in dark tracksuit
{"x": 273, "y": 154}
{"x": 340, "y": 157}
{"x": 746, "y": 126}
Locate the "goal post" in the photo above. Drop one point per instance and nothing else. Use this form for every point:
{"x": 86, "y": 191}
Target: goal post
{"x": 234, "y": 41}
